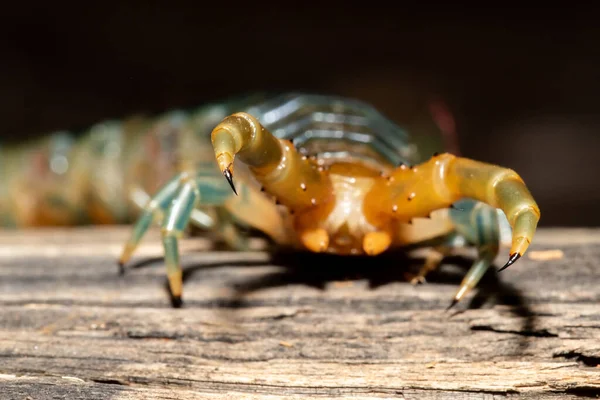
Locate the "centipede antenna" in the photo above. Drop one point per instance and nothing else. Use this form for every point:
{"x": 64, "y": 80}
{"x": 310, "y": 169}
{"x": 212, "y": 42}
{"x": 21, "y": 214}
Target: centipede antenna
{"x": 229, "y": 177}
{"x": 511, "y": 260}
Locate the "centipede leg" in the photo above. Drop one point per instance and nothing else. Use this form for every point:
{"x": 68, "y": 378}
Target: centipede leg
{"x": 153, "y": 211}
{"x": 175, "y": 221}
{"x": 478, "y": 223}
{"x": 176, "y": 203}
{"x": 432, "y": 262}
{"x": 200, "y": 218}
{"x": 229, "y": 231}
{"x": 438, "y": 183}
{"x": 295, "y": 181}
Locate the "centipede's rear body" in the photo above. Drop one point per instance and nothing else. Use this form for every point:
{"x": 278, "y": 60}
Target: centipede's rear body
{"x": 96, "y": 176}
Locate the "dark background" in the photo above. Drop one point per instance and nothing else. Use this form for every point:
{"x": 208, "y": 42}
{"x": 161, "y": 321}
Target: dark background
{"x": 523, "y": 84}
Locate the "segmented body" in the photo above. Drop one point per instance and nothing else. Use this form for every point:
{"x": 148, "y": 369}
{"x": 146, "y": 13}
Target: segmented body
{"x": 100, "y": 175}
{"x": 349, "y": 181}
{"x": 92, "y": 176}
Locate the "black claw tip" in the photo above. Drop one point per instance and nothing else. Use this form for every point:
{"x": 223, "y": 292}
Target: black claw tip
{"x": 229, "y": 177}
{"x": 452, "y": 304}
{"x": 511, "y": 261}
{"x": 176, "y": 301}
{"x": 121, "y": 268}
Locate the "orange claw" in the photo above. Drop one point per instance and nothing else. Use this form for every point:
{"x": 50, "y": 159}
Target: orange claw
{"x": 294, "y": 180}
{"x": 415, "y": 192}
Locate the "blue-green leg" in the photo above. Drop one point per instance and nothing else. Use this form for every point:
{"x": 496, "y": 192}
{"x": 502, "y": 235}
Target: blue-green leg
{"x": 478, "y": 224}
{"x": 152, "y": 212}
{"x": 176, "y": 219}
{"x": 224, "y": 225}
{"x": 173, "y": 207}
{"x": 230, "y": 233}
{"x": 204, "y": 190}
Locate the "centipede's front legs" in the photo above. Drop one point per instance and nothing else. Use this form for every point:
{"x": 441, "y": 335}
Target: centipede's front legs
{"x": 438, "y": 183}
{"x": 295, "y": 181}
{"x": 415, "y": 192}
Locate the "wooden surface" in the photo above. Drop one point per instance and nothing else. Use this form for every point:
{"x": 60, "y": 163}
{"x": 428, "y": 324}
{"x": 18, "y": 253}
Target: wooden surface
{"x": 71, "y": 328}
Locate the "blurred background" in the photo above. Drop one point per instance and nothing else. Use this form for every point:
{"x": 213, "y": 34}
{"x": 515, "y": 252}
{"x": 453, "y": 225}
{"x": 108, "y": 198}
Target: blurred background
{"x": 523, "y": 84}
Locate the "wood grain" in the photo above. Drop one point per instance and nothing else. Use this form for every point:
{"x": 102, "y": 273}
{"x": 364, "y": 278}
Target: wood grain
{"x": 256, "y": 326}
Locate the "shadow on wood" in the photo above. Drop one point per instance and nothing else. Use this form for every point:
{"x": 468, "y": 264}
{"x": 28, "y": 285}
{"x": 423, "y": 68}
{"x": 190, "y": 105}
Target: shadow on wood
{"x": 317, "y": 270}
{"x": 256, "y": 325}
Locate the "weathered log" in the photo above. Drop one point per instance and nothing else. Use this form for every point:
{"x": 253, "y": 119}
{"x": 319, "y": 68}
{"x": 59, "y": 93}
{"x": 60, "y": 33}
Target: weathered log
{"x": 260, "y": 326}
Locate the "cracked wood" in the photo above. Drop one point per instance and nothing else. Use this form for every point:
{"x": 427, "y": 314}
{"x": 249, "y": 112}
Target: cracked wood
{"x": 265, "y": 327}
